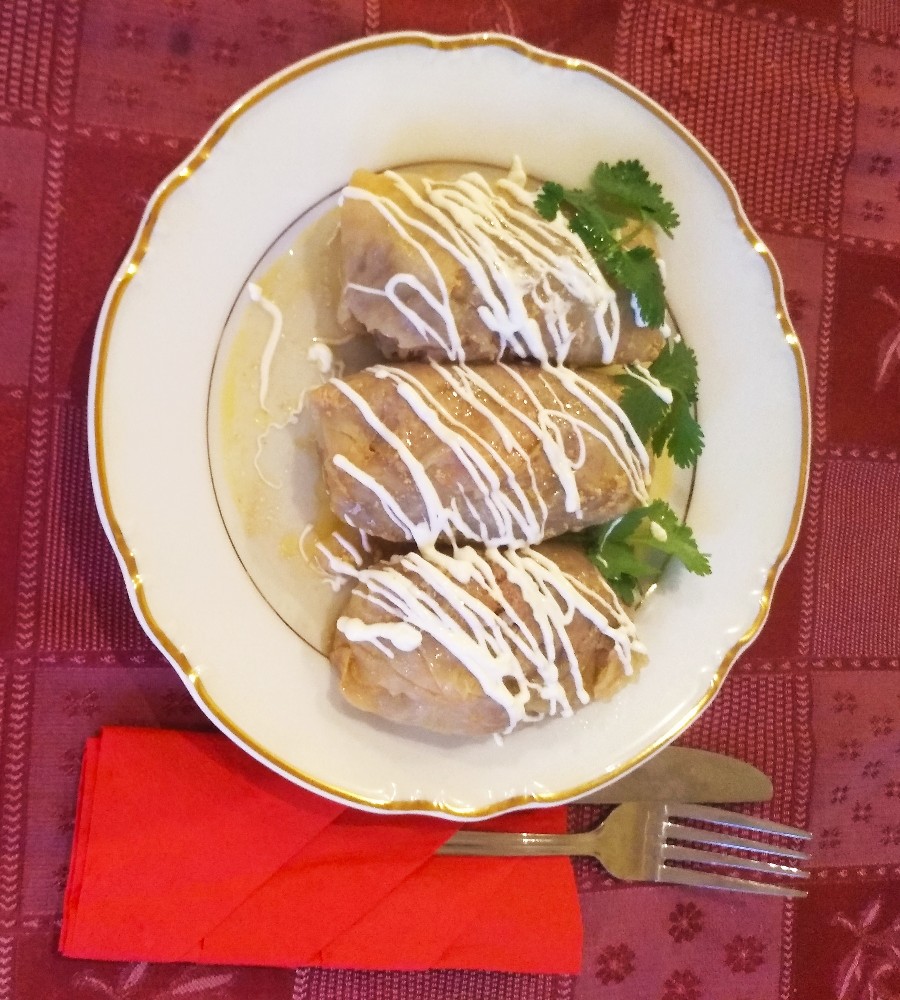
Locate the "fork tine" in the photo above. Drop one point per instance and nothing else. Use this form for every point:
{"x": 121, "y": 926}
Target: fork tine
{"x": 708, "y": 814}
{"x": 675, "y": 831}
{"x": 672, "y": 852}
{"x": 708, "y": 880}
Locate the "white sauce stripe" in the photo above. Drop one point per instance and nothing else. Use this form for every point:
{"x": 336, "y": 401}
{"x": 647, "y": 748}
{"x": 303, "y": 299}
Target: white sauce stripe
{"x": 399, "y": 634}
{"x": 644, "y": 375}
{"x": 268, "y": 355}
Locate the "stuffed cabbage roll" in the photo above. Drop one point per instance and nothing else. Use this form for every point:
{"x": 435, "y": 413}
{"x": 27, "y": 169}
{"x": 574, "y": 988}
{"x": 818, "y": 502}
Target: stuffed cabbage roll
{"x": 492, "y": 454}
{"x": 468, "y": 271}
{"x": 477, "y": 642}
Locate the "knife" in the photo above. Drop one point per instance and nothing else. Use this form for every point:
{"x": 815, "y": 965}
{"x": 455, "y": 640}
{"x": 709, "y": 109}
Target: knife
{"x": 680, "y": 774}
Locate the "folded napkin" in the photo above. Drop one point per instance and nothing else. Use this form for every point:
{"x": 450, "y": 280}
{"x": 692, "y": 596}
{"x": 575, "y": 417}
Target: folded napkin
{"x": 188, "y": 850}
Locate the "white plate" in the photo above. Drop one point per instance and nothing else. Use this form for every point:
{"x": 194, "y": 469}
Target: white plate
{"x": 295, "y": 139}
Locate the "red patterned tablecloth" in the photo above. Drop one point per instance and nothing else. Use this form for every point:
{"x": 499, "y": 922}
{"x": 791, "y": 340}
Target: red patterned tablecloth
{"x": 800, "y": 101}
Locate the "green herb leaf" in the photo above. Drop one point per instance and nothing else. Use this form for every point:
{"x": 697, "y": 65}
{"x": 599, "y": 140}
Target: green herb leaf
{"x": 679, "y": 540}
{"x": 626, "y": 186}
{"x": 679, "y": 433}
{"x": 549, "y": 199}
{"x": 676, "y": 368}
{"x": 643, "y": 407}
{"x": 639, "y": 272}
{"x": 623, "y": 549}
{"x": 667, "y": 427}
{"x": 619, "y": 192}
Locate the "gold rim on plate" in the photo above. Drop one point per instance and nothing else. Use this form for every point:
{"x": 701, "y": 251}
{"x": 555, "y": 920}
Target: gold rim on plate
{"x": 130, "y": 268}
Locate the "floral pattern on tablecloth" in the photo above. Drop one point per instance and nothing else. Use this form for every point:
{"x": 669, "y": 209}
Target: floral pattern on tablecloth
{"x": 800, "y": 100}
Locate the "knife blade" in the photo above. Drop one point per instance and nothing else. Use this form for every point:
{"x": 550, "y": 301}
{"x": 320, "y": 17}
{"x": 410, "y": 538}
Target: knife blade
{"x": 681, "y": 774}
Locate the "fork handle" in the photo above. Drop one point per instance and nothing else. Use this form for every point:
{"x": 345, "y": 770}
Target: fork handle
{"x": 482, "y": 843}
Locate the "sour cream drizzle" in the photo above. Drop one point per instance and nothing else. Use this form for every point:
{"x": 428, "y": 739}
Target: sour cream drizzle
{"x": 382, "y": 635}
{"x": 457, "y": 599}
{"x": 516, "y": 512}
{"x": 644, "y": 375}
{"x": 268, "y": 354}
{"x": 519, "y": 263}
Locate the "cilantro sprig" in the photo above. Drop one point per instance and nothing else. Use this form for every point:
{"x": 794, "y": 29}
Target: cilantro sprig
{"x": 628, "y": 184}
{"x": 623, "y": 550}
{"x": 599, "y": 216}
{"x": 666, "y": 426}
{"x": 628, "y": 551}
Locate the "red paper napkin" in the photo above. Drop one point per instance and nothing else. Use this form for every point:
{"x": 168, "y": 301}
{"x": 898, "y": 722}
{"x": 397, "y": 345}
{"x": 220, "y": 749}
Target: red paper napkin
{"x": 188, "y": 850}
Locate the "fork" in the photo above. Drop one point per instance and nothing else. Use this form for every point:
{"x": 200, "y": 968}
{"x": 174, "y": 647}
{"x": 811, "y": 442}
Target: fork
{"x": 644, "y": 842}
